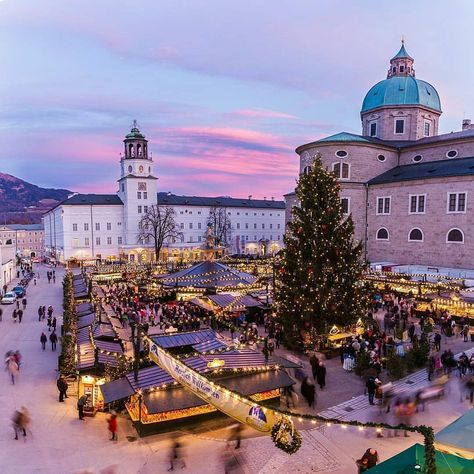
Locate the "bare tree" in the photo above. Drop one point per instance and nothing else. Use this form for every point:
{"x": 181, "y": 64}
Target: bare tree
{"x": 221, "y": 225}
{"x": 157, "y": 225}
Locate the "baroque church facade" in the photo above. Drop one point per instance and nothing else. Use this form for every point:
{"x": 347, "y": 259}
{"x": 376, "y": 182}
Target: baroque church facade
{"x": 106, "y": 226}
{"x": 410, "y": 191}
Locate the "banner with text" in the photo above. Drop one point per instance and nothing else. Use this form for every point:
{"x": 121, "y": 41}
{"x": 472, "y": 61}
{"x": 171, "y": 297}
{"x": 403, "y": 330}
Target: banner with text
{"x": 233, "y": 405}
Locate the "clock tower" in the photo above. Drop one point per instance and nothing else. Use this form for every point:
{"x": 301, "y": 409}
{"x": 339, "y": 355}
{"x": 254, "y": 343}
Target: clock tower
{"x": 137, "y": 185}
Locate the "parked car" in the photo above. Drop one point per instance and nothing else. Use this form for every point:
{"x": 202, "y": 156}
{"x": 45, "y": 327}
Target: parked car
{"x": 19, "y": 291}
{"x": 8, "y": 298}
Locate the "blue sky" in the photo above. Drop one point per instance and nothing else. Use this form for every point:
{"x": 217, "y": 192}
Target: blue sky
{"x": 224, "y": 91}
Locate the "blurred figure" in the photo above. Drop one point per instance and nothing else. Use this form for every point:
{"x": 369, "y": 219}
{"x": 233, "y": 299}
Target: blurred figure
{"x": 80, "y": 405}
{"x": 12, "y": 368}
{"x": 176, "y": 453}
{"x": 236, "y": 435}
{"x": 230, "y": 461}
{"x": 20, "y": 421}
{"x": 62, "y": 387}
{"x": 290, "y": 396}
{"x": 321, "y": 375}
{"x": 308, "y": 391}
{"x": 113, "y": 425}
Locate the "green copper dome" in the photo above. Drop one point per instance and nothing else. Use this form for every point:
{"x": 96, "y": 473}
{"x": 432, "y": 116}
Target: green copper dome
{"x": 401, "y": 90}
{"x": 134, "y": 133}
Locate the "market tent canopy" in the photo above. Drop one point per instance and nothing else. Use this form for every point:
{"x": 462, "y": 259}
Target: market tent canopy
{"x": 415, "y": 455}
{"x": 239, "y": 302}
{"x": 458, "y": 437}
{"x": 207, "y": 275}
{"x": 116, "y": 390}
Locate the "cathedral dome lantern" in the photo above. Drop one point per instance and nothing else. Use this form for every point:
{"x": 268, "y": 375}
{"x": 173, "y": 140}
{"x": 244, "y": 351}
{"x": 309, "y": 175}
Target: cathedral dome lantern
{"x": 401, "y": 107}
{"x": 136, "y": 145}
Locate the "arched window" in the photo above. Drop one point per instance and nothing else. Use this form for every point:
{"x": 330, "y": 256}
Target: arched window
{"x": 415, "y": 235}
{"x": 306, "y": 169}
{"x": 455, "y": 236}
{"x": 382, "y": 234}
{"x": 139, "y": 150}
{"x": 131, "y": 151}
{"x": 341, "y": 170}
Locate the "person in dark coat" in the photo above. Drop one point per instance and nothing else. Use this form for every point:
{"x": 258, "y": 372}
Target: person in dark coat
{"x": 54, "y": 339}
{"x": 80, "y": 405}
{"x": 321, "y": 375}
{"x": 43, "y": 340}
{"x": 308, "y": 391}
{"x": 371, "y": 387}
{"x": 62, "y": 387}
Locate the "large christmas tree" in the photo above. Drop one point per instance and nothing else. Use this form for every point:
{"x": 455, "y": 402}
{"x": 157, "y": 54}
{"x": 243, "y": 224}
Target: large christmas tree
{"x": 320, "y": 272}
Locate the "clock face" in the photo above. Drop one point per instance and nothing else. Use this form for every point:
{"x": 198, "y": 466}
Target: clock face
{"x": 140, "y": 169}
{"x": 130, "y": 169}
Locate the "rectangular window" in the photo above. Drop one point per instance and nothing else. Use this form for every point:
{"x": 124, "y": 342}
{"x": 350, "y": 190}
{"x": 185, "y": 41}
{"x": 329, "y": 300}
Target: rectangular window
{"x": 255, "y": 226}
{"x": 109, "y": 225}
{"x": 427, "y": 129}
{"x": 246, "y": 225}
{"x": 263, "y": 226}
{"x": 182, "y": 225}
{"x": 139, "y": 209}
{"x": 97, "y": 226}
{"x": 97, "y": 240}
{"x": 417, "y": 204}
{"x": 345, "y": 205}
{"x": 123, "y": 188}
{"x": 145, "y": 195}
{"x": 373, "y": 129}
{"x": 119, "y": 240}
{"x": 139, "y": 195}
{"x": 457, "y": 202}
{"x": 75, "y": 242}
{"x": 238, "y": 225}
{"x": 142, "y": 186}
{"x": 74, "y": 227}
{"x": 271, "y": 226}
{"x": 145, "y": 209}
{"x": 199, "y": 238}
{"x": 190, "y": 225}
{"x": 402, "y": 68}
{"x": 109, "y": 240}
{"x": 383, "y": 205}
{"x": 199, "y": 225}
{"x": 278, "y": 226}
{"x": 399, "y": 126}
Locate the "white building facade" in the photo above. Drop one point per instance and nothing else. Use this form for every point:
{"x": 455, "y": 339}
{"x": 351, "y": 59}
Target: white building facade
{"x": 106, "y": 226}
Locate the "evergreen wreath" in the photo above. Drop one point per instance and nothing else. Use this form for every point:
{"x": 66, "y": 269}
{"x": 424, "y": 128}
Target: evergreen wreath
{"x": 286, "y": 437}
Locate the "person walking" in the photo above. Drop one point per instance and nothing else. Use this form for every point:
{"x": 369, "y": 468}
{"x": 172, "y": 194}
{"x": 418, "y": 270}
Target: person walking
{"x": 371, "y": 386}
{"x": 53, "y": 323}
{"x": 43, "y": 309}
{"x": 437, "y": 341}
{"x": 12, "y": 368}
{"x": 113, "y": 425}
{"x": 40, "y": 313}
{"x": 321, "y": 375}
{"x": 49, "y": 323}
{"x": 1, "y": 314}
{"x": 62, "y": 387}
{"x": 465, "y": 332}
{"x": 23, "y": 302}
{"x": 20, "y": 315}
{"x": 80, "y": 405}
{"x": 308, "y": 391}
{"x": 20, "y": 421}
{"x": 53, "y": 339}
{"x": 43, "y": 340}
{"x": 176, "y": 454}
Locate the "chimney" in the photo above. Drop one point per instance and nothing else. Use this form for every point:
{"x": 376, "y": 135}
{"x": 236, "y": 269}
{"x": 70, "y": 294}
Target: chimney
{"x": 466, "y": 124}
{"x": 273, "y": 198}
{"x": 264, "y": 198}
{"x": 250, "y": 197}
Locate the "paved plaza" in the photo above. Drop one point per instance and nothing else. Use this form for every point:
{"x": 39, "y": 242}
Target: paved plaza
{"x": 59, "y": 443}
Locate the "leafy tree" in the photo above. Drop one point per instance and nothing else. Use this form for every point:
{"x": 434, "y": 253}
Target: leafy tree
{"x": 221, "y": 225}
{"x": 158, "y": 225}
{"x": 320, "y": 271}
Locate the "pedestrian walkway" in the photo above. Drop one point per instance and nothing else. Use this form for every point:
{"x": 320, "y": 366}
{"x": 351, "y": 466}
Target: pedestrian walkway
{"x": 408, "y": 385}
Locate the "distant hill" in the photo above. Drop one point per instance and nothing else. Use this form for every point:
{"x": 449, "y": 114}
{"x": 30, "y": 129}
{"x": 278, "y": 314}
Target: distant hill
{"x": 24, "y": 203}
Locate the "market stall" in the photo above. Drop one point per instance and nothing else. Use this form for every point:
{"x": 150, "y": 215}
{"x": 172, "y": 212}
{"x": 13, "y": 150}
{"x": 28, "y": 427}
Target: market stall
{"x": 458, "y": 438}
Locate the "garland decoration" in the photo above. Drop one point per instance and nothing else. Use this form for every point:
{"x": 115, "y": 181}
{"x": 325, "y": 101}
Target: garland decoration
{"x": 286, "y": 436}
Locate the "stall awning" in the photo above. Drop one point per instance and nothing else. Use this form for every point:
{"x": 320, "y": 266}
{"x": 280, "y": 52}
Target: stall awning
{"x": 183, "y": 339}
{"x": 86, "y": 320}
{"x": 342, "y": 335}
{"x": 458, "y": 437}
{"x": 116, "y": 390}
{"x": 212, "y": 345}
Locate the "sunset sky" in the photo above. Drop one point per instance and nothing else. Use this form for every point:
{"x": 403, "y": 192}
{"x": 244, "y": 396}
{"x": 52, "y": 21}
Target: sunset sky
{"x": 224, "y": 91}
